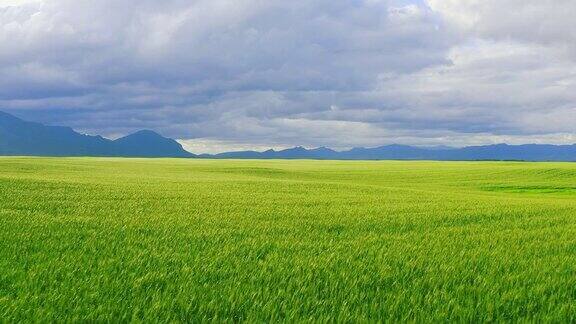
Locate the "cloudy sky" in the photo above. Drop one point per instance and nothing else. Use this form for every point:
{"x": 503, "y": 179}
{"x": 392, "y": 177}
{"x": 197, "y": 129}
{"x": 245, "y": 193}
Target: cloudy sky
{"x": 253, "y": 74}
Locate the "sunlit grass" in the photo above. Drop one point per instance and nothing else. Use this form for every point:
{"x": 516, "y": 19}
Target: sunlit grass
{"x": 89, "y": 239}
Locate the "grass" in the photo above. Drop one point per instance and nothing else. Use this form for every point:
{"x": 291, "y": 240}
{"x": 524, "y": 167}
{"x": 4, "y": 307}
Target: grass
{"x": 118, "y": 240}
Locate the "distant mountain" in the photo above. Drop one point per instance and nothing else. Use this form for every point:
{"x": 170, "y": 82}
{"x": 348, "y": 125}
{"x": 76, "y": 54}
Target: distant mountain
{"x": 147, "y": 143}
{"x": 499, "y": 152}
{"x": 18, "y": 137}
{"x": 389, "y": 152}
{"x": 292, "y": 153}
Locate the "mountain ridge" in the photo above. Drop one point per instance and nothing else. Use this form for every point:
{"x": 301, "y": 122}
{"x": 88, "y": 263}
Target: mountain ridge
{"x": 496, "y": 152}
{"x": 19, "y": 137}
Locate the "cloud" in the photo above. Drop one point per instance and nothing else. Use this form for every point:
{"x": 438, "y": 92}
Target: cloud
{"x": 544, "y": 22}
{"x": 504, "y": 88}
{"x": 278, "y": 73}
{"x": 12, "y": 3}
{"x": 209, "y": 146}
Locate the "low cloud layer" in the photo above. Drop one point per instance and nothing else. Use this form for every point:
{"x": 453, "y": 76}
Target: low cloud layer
{"x": 225, "y": 74}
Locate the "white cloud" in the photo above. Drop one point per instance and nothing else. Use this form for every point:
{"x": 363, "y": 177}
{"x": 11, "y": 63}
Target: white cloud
{"x": 545, "y": 22}
{"x": 214, "y": 146}
{"x": 13, "y": 3}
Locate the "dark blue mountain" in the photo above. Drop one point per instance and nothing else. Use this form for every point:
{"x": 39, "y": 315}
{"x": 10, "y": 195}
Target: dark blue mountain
{"x": 18, "y": 137}
{"x": 147, "y": 143}
{"x": 528, "y": 152}
{"x": 499, "y": 152}
{"x": 292, "y": 153}
{"x": 388, "y": 152}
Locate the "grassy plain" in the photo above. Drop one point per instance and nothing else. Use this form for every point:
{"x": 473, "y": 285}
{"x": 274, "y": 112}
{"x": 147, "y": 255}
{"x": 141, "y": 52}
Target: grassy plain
{"x": 95, "y": 239}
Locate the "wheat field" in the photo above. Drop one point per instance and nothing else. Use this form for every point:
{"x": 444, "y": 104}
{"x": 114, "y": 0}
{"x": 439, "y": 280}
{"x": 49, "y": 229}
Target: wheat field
{"x": 186, "y": 240}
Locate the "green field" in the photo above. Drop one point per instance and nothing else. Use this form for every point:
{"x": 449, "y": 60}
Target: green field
{"x": 94, "y": 239}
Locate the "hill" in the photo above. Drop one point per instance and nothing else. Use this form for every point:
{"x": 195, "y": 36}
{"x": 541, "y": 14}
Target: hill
{"x": 19, "y": 137}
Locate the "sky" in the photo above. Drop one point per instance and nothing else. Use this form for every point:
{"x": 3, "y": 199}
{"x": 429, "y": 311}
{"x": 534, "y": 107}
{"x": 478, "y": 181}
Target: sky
{"x": 222, "y": 75}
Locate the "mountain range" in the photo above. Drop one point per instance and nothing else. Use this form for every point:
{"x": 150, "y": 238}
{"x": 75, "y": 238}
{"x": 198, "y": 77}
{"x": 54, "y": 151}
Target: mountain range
{"x": 498, "y": 152}
{"x": 19, "y": 137}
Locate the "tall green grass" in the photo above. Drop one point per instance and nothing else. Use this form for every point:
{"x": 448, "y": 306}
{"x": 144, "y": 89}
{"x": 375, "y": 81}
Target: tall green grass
{"x": 119, "y": 240}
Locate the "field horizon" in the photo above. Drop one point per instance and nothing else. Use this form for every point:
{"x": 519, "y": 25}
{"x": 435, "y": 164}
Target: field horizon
{"x": 180, "y": 240}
